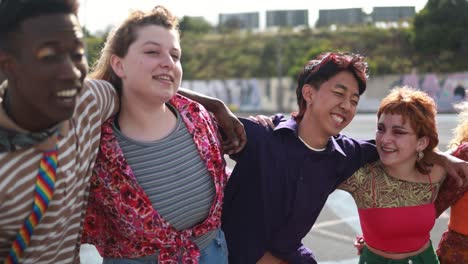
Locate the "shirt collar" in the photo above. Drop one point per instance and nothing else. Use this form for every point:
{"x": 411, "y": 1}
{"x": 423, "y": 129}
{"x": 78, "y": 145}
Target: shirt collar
{"x": 292, "y": 126}
{"x": 15, "y": 137}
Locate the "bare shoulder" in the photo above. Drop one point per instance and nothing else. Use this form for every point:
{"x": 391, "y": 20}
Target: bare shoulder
{"x": 437, "y": 173}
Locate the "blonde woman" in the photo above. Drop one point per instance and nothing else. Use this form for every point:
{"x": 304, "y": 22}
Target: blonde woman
{"x": 453, "y": 247}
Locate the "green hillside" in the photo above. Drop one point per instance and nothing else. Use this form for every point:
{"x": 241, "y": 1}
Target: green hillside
{"x": 437, "y": 41}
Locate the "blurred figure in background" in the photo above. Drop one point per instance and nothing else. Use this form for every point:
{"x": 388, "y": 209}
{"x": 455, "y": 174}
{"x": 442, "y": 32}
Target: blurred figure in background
{"x": 453, "y": 246}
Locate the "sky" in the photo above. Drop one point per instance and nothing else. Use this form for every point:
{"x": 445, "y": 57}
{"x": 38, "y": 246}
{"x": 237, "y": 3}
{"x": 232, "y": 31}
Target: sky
{"x": 97, "y": 15}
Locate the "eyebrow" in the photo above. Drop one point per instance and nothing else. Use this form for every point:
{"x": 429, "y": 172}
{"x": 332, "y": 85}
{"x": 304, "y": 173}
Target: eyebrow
{"x": 400, "y": 127}
{"x": 150, "y": 42}
{"x": 58, "y": 43}
{"x": 345, "y": 88}
{"x": 394, "y": 127}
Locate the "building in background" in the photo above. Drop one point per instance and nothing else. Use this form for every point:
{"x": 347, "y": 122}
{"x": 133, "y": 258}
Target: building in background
{"x": 249, "y": 21}
{"x": 327, "y": 17}
{"x": 356, "y": 16}
{"x": 393, "y": 14}
{"x": 348, "y": 16}
{"x": 287, "y": 18}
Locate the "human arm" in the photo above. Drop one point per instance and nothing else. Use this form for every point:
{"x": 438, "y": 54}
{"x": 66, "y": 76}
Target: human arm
{"x": 455, "y": 167}
{"x": 106, "y": 96}
{"x": 268, "y": 258}
{"x": 301, "y": 255}
{"x": 233, "y": 130}
{"x": 351, "y": 184}
{"x": 450, "y": 192}
{"x": 268, "y": 121}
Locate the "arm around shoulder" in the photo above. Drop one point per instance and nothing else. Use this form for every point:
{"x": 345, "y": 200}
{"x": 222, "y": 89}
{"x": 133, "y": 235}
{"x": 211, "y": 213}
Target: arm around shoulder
{"x": 302, "y": 255}
{"x": 455, "y": 167}
{"x": 106, "y": 96}
{"x": 233, "y": 130}
{"x": 450, "y": 192}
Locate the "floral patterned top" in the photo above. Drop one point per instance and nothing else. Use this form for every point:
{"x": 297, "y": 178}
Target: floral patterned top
{"x": 121, "y": 221}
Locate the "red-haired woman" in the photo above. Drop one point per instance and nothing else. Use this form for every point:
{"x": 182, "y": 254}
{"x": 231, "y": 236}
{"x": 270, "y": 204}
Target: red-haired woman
{"x": 395, "y": 195}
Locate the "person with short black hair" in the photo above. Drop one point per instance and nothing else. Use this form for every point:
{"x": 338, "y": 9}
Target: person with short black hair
{"x": 50, "y": 122}
{"x": 284, "y": 175}
{"x": 49, "y": 130}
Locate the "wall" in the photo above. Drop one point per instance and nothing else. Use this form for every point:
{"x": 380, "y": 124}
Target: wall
{"x": 446, "y": 89}
{"x": 265, "y": 95}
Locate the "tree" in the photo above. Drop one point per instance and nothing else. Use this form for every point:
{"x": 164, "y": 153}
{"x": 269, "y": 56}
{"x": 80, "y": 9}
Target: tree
{"x": 196, "y": 25}
{"x": 441, "y": 25}
{"x": 94, "y": 46}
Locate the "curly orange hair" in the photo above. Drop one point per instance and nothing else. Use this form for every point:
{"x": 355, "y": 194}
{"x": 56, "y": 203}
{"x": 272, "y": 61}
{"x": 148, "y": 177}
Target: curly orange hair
{"x": 419, "y": 109}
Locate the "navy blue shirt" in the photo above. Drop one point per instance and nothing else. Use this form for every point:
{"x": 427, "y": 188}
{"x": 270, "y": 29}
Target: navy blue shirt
{"x": 278, "y": 188}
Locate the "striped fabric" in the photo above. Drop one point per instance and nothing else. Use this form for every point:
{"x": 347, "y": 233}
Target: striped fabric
{"x": 56, "y": 238}
{"x": 45, "y": 184}
{"x": 173, "y": 175}
{"x": 121, "y": 221}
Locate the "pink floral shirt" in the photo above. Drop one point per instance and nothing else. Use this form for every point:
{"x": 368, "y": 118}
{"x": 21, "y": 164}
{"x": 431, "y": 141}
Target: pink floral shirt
{"x": 121, "y": 221}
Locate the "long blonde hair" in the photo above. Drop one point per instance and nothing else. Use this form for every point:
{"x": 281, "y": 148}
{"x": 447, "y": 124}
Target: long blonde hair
{"x": 460, "y": 133}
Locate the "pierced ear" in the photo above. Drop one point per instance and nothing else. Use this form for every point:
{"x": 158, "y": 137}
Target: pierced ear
{"x": 308, "y": 93}
{"x": 117, "y": 65}
{"x": 422, "y": 143}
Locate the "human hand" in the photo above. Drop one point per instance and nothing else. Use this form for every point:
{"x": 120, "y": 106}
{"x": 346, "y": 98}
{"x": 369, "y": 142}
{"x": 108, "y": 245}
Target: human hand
{"x": 263, "y": 120}
{"x": 234, "y": 139}
{"x": 461, "y": 152}
{"x": 359, "y": 244}
{"x": 457, "y": 168}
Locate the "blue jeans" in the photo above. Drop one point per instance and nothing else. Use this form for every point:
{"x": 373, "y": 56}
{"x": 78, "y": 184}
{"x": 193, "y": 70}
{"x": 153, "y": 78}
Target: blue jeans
{"x": 214, "y": 253}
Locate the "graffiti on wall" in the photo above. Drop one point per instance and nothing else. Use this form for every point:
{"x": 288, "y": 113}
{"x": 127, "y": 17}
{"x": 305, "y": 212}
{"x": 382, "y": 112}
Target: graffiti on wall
{"x": 278, "y": 94}
{"x": 446, "y": 90}
{"x": 237, "y": 93}
{"x": 248, "y": 95}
